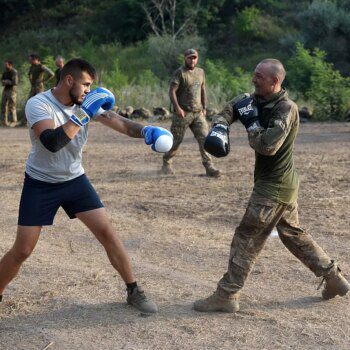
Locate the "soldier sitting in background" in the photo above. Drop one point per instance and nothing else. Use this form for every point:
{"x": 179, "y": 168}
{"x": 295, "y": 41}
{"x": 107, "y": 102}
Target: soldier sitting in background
{"x": 9, "y": 81}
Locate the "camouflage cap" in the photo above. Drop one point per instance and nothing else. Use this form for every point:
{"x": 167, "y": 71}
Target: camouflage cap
{"x": 191, "y": 52}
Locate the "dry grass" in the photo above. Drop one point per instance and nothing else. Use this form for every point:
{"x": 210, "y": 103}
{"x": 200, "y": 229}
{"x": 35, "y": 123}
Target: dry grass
{"x": 178, "y": 230}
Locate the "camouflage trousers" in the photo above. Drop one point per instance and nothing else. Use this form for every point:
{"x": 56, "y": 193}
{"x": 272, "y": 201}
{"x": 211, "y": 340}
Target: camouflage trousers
{"x": 197, "y": 123}
{"x": 35, "y": 89}
{"x": 261, "y": 216}
{"x": 8, "y": 106}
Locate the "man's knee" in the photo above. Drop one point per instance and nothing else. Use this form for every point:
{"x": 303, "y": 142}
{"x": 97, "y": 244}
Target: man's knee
{"x": 200, "y": 133}
{"x": 20, "y": 254}
{"x": 287, "y": 231}
{"x": 106, "y": 235}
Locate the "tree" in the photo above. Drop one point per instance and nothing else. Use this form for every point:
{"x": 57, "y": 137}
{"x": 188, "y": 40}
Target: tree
{"x": 162, "y": 17}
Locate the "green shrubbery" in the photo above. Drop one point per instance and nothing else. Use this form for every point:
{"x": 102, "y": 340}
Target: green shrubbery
{"x": 223, "y": 85}
{"x": 315, "y": 80}
{"x": 139, "y": 75}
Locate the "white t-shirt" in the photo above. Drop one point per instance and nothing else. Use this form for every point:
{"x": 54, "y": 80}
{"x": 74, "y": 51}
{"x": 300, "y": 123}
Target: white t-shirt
{"x": 42, "y": 164}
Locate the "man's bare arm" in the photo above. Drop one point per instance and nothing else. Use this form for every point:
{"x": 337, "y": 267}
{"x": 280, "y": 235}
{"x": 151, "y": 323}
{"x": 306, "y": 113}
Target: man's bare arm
{"x": 118, "y": 123}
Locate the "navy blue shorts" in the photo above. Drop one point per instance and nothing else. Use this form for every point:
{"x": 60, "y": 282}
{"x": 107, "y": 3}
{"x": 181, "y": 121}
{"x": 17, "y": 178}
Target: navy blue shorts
{"x": 41, "y": 200}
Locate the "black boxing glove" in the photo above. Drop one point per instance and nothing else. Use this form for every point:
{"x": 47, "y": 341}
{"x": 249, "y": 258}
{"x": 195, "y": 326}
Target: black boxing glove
{"x": 217, "y": 143}
{"x": 247, "y": 113}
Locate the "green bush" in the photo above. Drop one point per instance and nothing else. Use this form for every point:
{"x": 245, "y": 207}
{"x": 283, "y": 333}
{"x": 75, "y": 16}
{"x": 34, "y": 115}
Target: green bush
{"x": 227, "y": 84}
{"x": 144, "y": 96}
{"x": 317, "y": 81}
{"x": 134, "y": 59}
{"x": 112, "y": 77}
{"x": 247, "y": 23}
{"x": 330, "y": 91}
{"x": 167, "y": 55}
{"x": 147, "y": 78}
{"x": 139, "y": 75}
{"x": 300, "y": 68}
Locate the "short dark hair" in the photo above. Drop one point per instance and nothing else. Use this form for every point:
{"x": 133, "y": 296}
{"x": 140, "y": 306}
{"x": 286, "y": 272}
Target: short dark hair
{"x": 34, "y": 56}
{"x": 76, "y": 66}
{"x": 9, "y": 62}
{"x": 276, "y": 67}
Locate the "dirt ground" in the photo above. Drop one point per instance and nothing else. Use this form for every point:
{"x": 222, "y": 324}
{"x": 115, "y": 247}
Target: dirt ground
{"x": 178, "y": 230}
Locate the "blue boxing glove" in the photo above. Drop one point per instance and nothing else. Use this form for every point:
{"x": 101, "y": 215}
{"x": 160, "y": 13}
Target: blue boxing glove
{"x": 95, "y": 102}
{"x": 160, "y": 138}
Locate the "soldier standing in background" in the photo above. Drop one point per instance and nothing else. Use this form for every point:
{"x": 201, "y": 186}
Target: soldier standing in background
{"x": 59, "y": 64}
{"x": 9, "y": 81}
{"x": 188, "y": 96}
{"x": 38, "y": 74}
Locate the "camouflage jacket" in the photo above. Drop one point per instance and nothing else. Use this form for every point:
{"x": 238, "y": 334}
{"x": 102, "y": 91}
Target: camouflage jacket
{"x": 274, "y": 174}
{"x": 190, "y": 86}
{"x": 37, "y": 74}
{"x": 10, "y": 79}
{"x": 57, "y": 75}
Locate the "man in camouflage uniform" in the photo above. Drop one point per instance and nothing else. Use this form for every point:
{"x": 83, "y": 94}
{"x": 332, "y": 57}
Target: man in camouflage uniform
{"x": 59, "y": 64}
{"x": 272, "y": 123}
{"x": 9, "y": 81}
{"x": 38, "y": 74}
{"x": 188, "y": 96}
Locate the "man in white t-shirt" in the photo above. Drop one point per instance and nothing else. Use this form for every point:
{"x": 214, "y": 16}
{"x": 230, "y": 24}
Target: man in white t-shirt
{"x": 54, "y": 177}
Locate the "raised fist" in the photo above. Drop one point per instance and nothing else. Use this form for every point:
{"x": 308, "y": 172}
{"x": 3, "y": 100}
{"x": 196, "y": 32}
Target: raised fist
{"x": 95, "y": 102}
{"x": 160, "y": 138}
{"x": 217, "y": 143}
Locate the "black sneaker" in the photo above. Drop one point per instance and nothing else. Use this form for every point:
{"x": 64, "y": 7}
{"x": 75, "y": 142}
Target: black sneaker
{"x": 138, "y": 299}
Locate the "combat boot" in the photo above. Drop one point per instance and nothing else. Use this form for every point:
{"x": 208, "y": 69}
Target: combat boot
{"x": 14, "y": 124}
{"x": 219, "y": 301}
{"x": 335, "y": 283}
{"x": 211, "y": 171}
{"x": 167, "y": 169}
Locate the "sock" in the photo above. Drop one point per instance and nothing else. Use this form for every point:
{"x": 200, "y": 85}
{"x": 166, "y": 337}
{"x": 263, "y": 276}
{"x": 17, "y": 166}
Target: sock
{"x": 131, "y": 286}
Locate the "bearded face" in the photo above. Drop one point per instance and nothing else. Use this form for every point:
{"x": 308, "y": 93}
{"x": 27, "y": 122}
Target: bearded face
{"x": 76, "y": 95}
{"x": 80, "y": 88}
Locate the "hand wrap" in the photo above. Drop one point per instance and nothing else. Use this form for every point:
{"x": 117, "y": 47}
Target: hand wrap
{"x": 94, "y": 103}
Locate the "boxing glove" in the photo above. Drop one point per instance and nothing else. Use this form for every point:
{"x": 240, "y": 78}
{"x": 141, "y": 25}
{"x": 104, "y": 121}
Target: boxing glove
{"x": 217, "y": 143}
{"x": 160, "y": 138}
{"x": 94, "y": 103}
{"x": 247, "y": 113}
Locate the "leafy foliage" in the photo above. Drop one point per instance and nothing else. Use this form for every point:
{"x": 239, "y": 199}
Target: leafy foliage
{"x": 232, "y": 83}
{"x": 232, "y": 36}
{"x": 326, "y": 25}
{"x": 316, "y": 80}
{"x": 167, "y": 55}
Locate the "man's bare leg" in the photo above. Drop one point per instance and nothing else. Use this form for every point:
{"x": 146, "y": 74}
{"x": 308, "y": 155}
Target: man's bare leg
{"x": 26, "y": 240}
{"x": 99, "y": 224}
